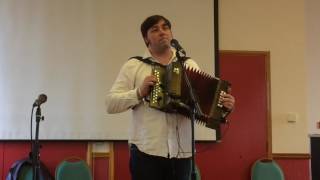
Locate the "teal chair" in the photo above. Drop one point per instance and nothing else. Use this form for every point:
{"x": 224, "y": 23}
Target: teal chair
{"x": 198, "y": 174}
{"x": 26, "y": 173}
{"x": 22, "y": 170}
{"x": 266, "y": 169}
{"x": 73, "y": 169}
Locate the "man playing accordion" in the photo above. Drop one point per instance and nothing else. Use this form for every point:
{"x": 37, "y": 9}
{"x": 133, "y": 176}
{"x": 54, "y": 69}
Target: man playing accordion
{"x": 160, "y": 142}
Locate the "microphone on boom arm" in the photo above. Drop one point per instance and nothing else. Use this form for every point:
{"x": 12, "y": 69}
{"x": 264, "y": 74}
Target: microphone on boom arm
{"x": 174, "y": 43}
{"x": 42, "y": 98}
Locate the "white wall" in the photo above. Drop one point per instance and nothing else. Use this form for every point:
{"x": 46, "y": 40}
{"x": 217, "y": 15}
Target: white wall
{"x": 277, "y": 26}
{"x": 313, "y": 63}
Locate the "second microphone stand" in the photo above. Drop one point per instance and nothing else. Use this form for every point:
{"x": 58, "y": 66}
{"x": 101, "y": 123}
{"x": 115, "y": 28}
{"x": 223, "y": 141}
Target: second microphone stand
{"x": 192, "y": 110}
{"x": 36, "y": 147}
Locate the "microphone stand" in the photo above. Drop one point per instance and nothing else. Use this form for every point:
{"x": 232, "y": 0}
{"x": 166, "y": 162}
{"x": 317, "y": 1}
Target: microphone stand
{"x": 36, "y": 147}
{"x": 192, "y": 110}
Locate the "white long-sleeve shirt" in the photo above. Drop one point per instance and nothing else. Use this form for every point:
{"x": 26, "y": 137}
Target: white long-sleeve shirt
{"x": 154, "y": 132}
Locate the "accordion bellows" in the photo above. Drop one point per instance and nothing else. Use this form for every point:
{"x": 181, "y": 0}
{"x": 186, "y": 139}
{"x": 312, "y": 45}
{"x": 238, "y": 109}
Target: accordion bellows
{"x": 171, "y": 93}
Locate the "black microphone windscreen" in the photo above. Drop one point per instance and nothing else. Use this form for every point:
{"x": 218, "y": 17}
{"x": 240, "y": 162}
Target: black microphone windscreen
{"x": 42, "y": 98}
{"x": 174, "y": 43}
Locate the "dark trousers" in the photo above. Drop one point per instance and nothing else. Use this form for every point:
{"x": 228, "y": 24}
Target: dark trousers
{"x": 148, "y": 167}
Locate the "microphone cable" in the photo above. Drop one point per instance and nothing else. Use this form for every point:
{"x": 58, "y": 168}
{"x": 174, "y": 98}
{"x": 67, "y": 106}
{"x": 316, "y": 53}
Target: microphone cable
{"x": 31, "y": 127}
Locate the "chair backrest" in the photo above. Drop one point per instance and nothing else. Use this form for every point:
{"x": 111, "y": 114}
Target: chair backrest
{"x": 73, "y": 170}
{"x": 198, "y": 174}
{"x": 26, "y": 173}
{"x": 266, "y": 169}
{"x": 22, "y": 170}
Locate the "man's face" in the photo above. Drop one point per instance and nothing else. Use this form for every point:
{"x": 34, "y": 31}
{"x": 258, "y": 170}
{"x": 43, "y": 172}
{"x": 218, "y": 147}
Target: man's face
{"x": 159, "y": 36}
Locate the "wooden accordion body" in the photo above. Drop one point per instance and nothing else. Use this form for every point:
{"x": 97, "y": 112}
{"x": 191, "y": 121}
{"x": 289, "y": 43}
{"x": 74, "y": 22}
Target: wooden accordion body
{"x": 171, "y": 94}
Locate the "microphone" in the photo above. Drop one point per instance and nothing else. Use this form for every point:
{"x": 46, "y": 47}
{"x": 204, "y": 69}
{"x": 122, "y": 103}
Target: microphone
{"x": 174, "y": 43}
{"x": 42, "y": 98}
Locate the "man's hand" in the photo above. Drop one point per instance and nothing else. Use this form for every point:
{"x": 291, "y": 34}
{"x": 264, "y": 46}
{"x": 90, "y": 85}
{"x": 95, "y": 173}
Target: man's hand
{"x": 146, "y": 86}
{"x": 228, "y": 100}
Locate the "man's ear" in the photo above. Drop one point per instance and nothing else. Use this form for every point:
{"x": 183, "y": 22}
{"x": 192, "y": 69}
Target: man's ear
{"x": 146, "y": 41}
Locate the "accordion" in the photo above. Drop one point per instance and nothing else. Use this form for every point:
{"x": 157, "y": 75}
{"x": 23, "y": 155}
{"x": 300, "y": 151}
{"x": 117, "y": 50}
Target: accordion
{"x": 171, "y": 93}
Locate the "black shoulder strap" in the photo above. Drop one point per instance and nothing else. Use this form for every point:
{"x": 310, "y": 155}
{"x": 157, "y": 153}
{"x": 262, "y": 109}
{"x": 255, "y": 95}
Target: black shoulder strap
{"x": 145, "y": 60}
{"x": 148, "y": 61}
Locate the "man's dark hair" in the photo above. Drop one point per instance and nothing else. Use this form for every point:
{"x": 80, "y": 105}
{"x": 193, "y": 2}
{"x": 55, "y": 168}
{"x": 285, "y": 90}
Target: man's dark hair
{"x": 151, "y": 21}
